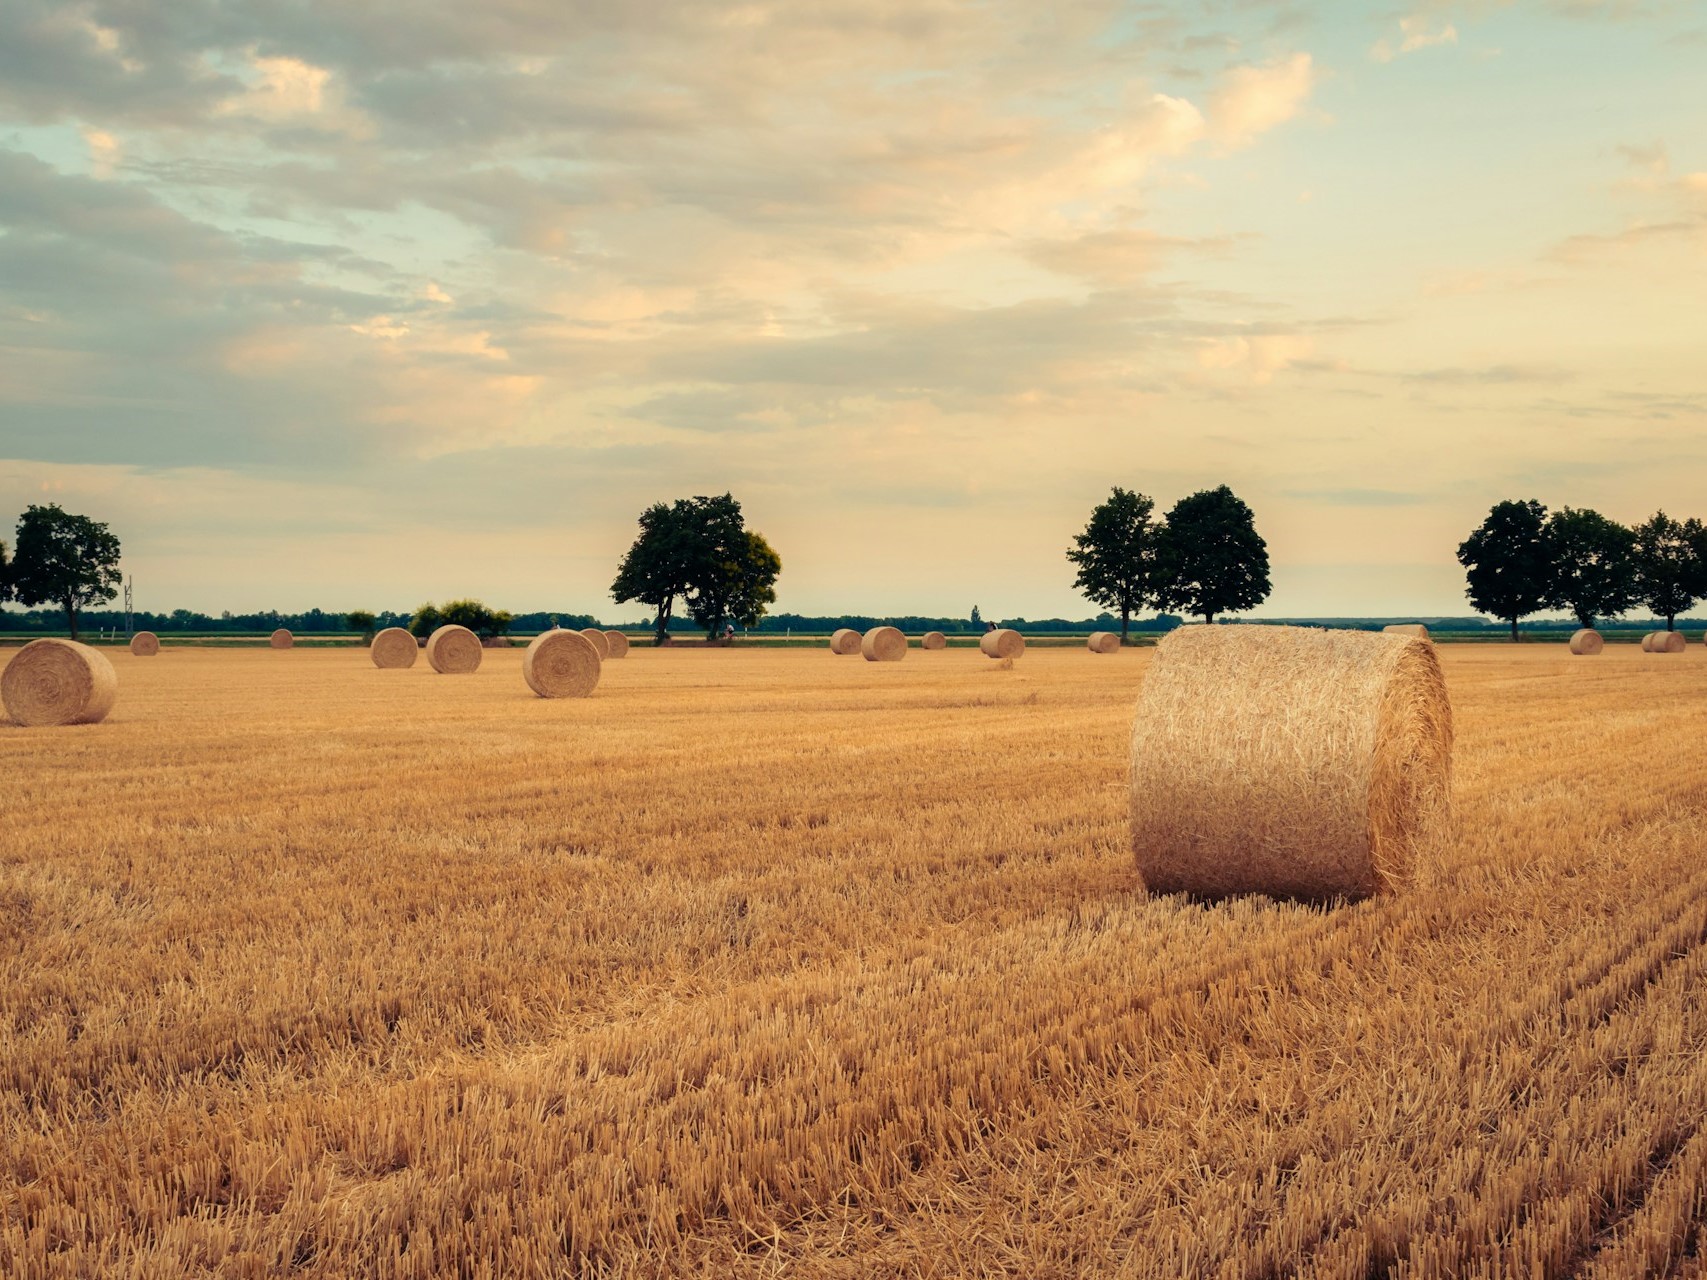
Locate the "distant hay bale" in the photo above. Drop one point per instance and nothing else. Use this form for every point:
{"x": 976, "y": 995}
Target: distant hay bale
{"x": 933, "y": 640}
{"x": 281, "y": 639}
{"x": 1669, "y": 642}
{"x": 845, "y": 642}
{"x": 1407, "y": 629}
{"x": 617, "y": 644}
{"x": 599, "y": 641}
{"x": 394, "y": 649}
{"x": 884, "y": 644}
{"x": 1103, "y": 642}
{"x": 496, "y": 642}
{"x": 1648, "y": 643}
{"x": 1290, "y": 761}
{"x": 1587, "y": 641}
{"x": 453, "y": 650}
{"x": 1003, "y": 642}
{"x": 51, "y": 682}
{"x": 145, "y": 644}
{"x": 561, "y": 664}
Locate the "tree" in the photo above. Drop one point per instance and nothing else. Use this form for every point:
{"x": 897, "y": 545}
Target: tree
{"x": 1209, "y": 557}
{"x": 64, "y": 559}
{"x": 363, "y": 621}
{"x": 1510, "y": 563}
{"x": 1671, "y": 565}
{"x": 700, "y": 551}
{"x": 977, "y": 619}
{"x": 1116, "y": 555}
{"x": 1595, "y": 565}
{"x": 5, "y": 577}
{"x": 484, "y": 622}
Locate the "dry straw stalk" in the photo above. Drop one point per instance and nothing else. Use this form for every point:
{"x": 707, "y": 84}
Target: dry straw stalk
{"x": 884, "y": 644}
{"x": 1289, "y": 761}
{"x": 1587, "y": 641}
{"x": 599, "y": 640}
{"x": 1407, "y": 629}
{"x": 145, "y": 644}
{"x": 51, "y": 682}
{"x": 617, "y": 643}
{"x": 453, "y": 650}
{"x": 281, "y": 639}
{"x": 845, "y": 642}
{"x": 1103, "y": 642}
{"x": 933, "y": 640}
{"x": 561, "y": 664}
{"x": 1004, "y": 642}
{"x": 394, "y": 649}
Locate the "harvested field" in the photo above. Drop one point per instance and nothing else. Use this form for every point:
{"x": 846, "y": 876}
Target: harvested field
{"x": 318, "y": 970}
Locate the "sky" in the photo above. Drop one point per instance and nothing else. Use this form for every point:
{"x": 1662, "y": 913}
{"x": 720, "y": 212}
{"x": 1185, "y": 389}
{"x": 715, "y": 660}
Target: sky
{"x": 361, "y": 303}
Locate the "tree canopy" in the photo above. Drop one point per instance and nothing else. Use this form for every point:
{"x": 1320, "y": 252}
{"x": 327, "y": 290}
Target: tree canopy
{"x": 1510, "y": 562}
{"x": 472, "y": 614}
{"x": 1594, "y": 565}
{"x": 1115, "y": 555}
{"x": 64, "y": 559}
{"x": 1209, "y": 557}
{"x": 699, "y": 551}
{"x": 1671, "y": 565}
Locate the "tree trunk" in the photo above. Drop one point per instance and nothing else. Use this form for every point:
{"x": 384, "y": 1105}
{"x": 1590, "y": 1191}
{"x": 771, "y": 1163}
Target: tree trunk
{"x": 1514, "y": 630}
{"x": 1208, "y": 618}
{"x": 1671, "y": 622}
{"x": 1125, "y": 624}
{"x": 70, "y": 616}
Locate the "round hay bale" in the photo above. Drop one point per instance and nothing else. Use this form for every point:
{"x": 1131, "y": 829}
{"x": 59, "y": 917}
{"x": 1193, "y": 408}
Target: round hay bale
{"x": 617, "y": 643}
{"x": 1291, "y": 761}
{"x": 1004, "y": 642}
{"x": 496, "y": 642}
{"x": 1669, "y": 642}
{"x": 453, "y": 650}
{"x": 394, "y": 649}
{"x": 145, "y": 644}
{"x": 1588, "y": 640}
{"x": 845, "y": 642}
{"x": 599, "y": 640}
{"x": 281, "y": 639}
{"x": 58, "y": 682}
{"x": 1103, "y": 642}
{"x": 1407, "y": 629}
{"x": 884, "y": 644}
{"x": 933, "y": 640}
{"x": 561, "y": 664}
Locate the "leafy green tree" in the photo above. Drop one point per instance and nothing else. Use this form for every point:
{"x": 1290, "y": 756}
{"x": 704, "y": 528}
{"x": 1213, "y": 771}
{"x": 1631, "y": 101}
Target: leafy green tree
{"x": 64, "y": 559}
{"x": 977, "y": 619}
{"x": 363, "y": 621}
{"x": 748, "y": 580}
{"x": 484, "y": 622}
{"x": 700, "y": 551}
{"x": 5, "y": 577}
{"x": 1671, "y": 565}
{"x": 424, "y": 621}
{"x": 1116, "y": 555}
{"x": 1510, "y": 562}
{"x": 654, "y": 570}
{"x": 1595, "y": 565}
{"x": 1209, "y": 557}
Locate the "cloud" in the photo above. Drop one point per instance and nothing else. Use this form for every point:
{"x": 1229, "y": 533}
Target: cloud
{"x": 1251, "y": 100}
{"x": 1414, "y": 34}
{"x": 1118, "y": 257}
{"x": 1258, "y": 356}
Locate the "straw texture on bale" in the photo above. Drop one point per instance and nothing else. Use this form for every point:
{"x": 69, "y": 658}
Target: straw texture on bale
{"x": 1648, "y": 643}
{"x": 599, "y": 641}
{"x": 58, "y": 682}
{"x": 281, "y": 639}
{"x": 845, "y": 642}
{"x": 933, "y": 640}
{"x": 1103, "y": 642}
{"x": 1588, "y": 640}
{"x": 394, "y": 649}
{"x": 1290, "y": 761}
{"x": 1004, "y": 642}
{"x": 617, "y": 644}
{"x": 453, "y": 650}
{"x": 561, "y": 664}
{"x": 1407, "y": 629}
{"x": 884, "y": 644}
{"x": 145, "y": 644}
{"x": 1668, "y": 642}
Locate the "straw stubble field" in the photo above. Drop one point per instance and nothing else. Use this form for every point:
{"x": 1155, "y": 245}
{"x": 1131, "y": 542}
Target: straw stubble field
{"x": 771, "y": 963}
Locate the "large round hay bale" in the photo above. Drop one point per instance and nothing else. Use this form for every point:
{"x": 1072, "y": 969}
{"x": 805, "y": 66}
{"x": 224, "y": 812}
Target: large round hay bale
{"x": 1292, "y": 761}
{"x": 561, "y": 664}
{"x": 58, "y": 682}
{"x": 617, "y": 644}
{"x": 1669, "y": 642}
{"x": 845, "y": 642}
{"x": 1004, "y": 642}
{"x": 145, "y": 644}
{"x": 453, "y": 650}
{"x": 1415, "y": 629}
{"x": 884, "y": 644}
{"x": 394, "y": 649}
{"x": 1103, "y": 642}
{"x": 933, "y": 640}
{"x": 599, "y": 641}
{"x": 281, "y": 639}
{"x": 1588, "y": 640}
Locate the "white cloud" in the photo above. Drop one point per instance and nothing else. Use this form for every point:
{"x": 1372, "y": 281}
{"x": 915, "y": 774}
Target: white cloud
{"x": 1414, "y": 34}
{"x": 105, "y": 153}
{"x": 1251, "y": 100}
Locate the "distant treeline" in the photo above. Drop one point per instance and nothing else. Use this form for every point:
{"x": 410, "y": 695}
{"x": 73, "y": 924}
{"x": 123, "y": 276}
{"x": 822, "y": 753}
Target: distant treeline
{"x": 311, "y": 622}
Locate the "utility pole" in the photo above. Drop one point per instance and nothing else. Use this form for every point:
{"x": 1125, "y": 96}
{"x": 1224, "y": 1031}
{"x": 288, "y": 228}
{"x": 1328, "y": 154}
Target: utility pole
{"x": 129, "y": 622}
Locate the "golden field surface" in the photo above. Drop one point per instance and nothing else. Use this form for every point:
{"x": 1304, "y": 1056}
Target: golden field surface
{"x": 775, "y": 963}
